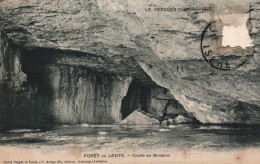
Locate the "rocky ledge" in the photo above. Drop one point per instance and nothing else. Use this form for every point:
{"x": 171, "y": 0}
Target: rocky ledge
{"x": 97, "y": 61}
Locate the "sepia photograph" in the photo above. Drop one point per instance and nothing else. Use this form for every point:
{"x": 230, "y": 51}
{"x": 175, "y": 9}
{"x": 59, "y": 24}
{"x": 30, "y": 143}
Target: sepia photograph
{"x": 129, "y": 81}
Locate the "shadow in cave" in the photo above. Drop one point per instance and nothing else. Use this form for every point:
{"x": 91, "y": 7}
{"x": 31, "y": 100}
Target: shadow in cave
{"x": 38, "y": 84}
{"x": 25, "y": 103}
{"x": 138, "y": 97}
{"x": 154, "y": 100}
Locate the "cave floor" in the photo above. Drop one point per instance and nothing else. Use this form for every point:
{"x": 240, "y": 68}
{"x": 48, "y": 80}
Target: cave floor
{"x": 125, "y": 138}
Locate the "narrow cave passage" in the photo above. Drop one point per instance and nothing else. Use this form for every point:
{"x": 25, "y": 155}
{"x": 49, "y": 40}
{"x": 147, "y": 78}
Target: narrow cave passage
{"x": 154, "y": 100}
{"x": 138, "y": 97}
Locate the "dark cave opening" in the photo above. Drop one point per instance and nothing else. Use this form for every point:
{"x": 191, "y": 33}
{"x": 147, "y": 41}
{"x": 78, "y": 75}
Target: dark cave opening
{"x": 138, "y": 97}
{"x": 153, "y": 100}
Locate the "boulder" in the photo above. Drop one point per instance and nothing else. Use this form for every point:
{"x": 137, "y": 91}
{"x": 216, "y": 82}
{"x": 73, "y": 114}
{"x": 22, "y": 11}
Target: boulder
{"x": 139, "y": 118}
{"x": 181, "y": 119}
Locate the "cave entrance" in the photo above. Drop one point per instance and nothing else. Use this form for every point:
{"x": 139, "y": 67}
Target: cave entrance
{"x": 154, "y": 100}
{"x": 138, "y": 97}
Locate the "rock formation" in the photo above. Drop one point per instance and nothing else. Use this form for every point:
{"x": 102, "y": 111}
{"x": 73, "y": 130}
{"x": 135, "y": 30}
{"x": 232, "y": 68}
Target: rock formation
{"x": 69, "y": 62}
{"x": 138, "y": 117}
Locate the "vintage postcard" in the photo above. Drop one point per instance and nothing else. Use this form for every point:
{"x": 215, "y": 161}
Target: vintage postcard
{"x": 129, "y": 82}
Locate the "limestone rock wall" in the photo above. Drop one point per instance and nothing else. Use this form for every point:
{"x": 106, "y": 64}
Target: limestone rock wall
{"x": 36, "y": 93}
{"x": 122, "y": 39}
{"x": 254, "y": 31}
{"x": 79, "y": 96}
